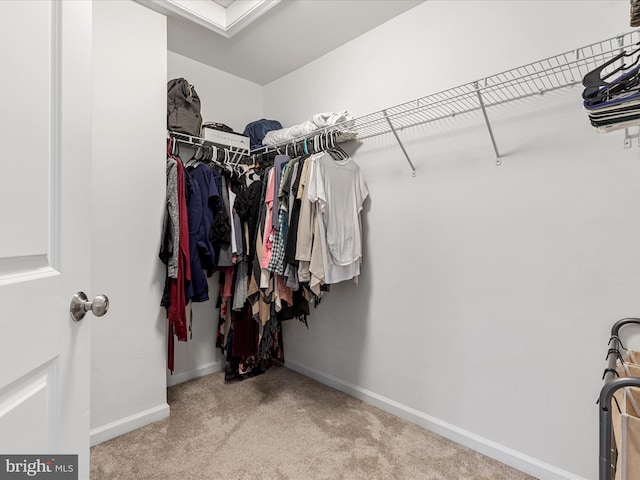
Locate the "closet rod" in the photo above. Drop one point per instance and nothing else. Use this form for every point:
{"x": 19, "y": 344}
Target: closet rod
{"x": 537, "y": 78}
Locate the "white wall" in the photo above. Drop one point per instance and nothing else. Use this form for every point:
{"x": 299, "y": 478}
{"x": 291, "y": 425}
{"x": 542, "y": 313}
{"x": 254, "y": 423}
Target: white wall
{"x": 487, "y": 293}
{"x": 225, "y": 98}
{"x": 235, "y": 102}
{"x": 129, "y": 343}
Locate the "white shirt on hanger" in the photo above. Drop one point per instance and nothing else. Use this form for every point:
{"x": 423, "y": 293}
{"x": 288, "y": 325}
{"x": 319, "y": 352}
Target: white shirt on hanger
{"x": 339, "y": 190}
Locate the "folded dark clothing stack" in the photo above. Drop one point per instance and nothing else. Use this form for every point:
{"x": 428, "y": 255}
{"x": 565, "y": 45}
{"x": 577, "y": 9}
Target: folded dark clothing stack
{"x": 258, "y": 129}
{"x": 219, "y": 126}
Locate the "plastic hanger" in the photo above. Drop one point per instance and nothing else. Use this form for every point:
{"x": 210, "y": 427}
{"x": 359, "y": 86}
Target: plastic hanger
{"x": 169, "y": 145}
{"x": 594, "y": 79}
{"x": 198, "y": 155}
{"x": 335, "y": 148}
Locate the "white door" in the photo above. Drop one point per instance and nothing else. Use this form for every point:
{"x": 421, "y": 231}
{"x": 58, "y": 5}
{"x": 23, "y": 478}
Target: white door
{"x": 45, "y": 166}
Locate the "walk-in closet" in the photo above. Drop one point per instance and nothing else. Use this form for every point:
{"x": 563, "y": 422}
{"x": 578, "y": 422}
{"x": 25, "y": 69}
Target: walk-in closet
{"x": 416, "y": 250}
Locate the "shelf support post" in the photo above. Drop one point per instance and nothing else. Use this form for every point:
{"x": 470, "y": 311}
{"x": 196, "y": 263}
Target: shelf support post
{"x": 486, "y": 119}
{"x": 628, "y": 137}
{"x": 413, "y": 169}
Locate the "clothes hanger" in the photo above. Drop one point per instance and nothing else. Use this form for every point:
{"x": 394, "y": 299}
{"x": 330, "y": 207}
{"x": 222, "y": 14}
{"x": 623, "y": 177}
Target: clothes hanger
{"x": 593, "y": 80}
{"x": 195, "y": 160}
{"x": 216, "y": 157}
{"x": 169, "y": 144}
{"x": 199, "y": 153}
{"x": 627, "y": 81}
{"x": 237, "y": 160}
{"x": 175, "y": 150}
{"x": 314, "y": 144}
{"x": 253, "y": 158}
{"x": 227, "y": 162}
{"x": 594, "y": 77}
{"x": 622, "y": 89}
{"x": 335, "y": 148}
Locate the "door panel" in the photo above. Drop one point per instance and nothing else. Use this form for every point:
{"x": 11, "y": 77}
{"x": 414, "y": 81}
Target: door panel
{"x": 26, "y": 408}
{"x": 27, "y": 95}
{"x": 45, "y": 192}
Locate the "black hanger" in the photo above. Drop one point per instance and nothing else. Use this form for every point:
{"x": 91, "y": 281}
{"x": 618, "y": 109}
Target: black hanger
{"x": 616, "y": 352}
{"x": 629, "y": 87}
{"x": 616, "y": 337}
{"x": 625, "y": 82}
{"x": 333, "y": 148}
{"x": 594, "y": 79}
{"x": 615, "y": 400}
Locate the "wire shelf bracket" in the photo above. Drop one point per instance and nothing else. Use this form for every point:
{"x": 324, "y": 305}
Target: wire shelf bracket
{"x": 486, "y": 120}
{"x": 628, "y": 137}
{"x": 413, "y": 169}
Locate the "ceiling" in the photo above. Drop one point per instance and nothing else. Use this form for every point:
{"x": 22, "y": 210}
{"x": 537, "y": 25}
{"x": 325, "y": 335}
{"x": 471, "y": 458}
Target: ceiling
{"x": 224, "y": 3}
{"x": 288, "y": 35}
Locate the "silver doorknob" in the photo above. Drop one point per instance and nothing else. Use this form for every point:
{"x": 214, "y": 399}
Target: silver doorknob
{"x": 80, "y": 305}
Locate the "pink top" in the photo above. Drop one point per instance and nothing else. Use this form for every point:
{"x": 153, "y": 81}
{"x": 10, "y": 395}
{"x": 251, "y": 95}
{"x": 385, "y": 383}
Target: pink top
{"x": 267, "y": 240}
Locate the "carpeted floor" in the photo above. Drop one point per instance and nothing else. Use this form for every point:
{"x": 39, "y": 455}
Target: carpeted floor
{"x": 284, "y": 426}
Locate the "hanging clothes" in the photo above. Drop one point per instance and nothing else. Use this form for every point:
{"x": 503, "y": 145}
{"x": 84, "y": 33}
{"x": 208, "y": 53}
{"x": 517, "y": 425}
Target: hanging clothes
{"x": 279, "y": 236}
{"x": 175, "y": 297}
{"x": 202, "y": 202}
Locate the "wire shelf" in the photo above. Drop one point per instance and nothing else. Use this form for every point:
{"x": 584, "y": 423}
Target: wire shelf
{"x": 537, "y": 78}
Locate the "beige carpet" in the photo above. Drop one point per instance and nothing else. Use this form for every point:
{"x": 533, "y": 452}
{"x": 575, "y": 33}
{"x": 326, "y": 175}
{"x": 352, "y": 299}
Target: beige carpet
{"x": 282, "y": 425}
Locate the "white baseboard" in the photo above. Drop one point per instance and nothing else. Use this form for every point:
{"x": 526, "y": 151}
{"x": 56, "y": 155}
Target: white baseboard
{"x": 513, "y": 458}
{"x": 128, "y": 424}
{"x": 201, "y": 371}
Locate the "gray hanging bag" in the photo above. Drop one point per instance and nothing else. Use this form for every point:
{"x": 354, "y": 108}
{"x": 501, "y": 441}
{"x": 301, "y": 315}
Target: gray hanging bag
{"x": 183, "y": 108}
